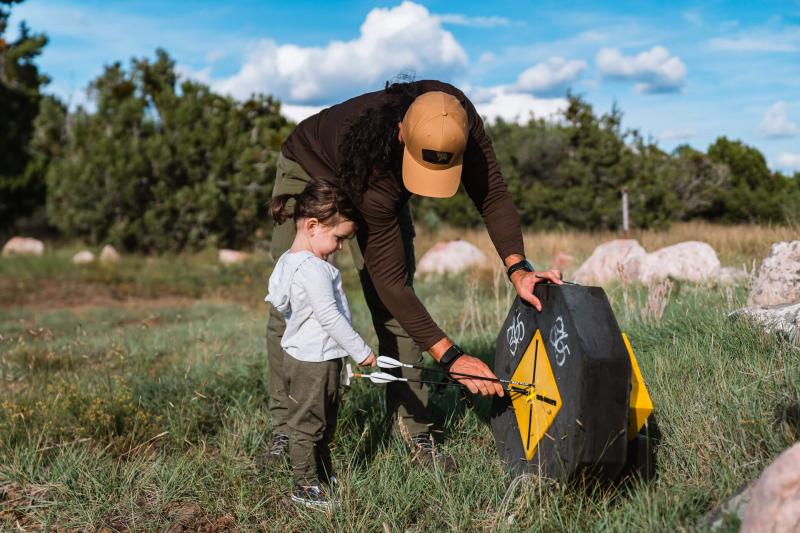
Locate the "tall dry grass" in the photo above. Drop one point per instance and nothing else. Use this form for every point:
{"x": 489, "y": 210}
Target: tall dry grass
{"x": 736, "y": 246}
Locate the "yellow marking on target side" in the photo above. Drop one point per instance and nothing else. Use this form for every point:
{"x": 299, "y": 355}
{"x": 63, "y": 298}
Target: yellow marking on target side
{"x": 641, "y": 406}
{"x": 536, "y": 410}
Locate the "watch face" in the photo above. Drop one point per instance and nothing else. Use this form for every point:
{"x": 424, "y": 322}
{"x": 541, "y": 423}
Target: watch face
{"x": 568, "y": 414}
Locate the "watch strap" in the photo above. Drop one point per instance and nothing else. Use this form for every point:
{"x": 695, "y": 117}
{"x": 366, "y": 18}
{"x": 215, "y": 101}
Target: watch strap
{"x": 450, "y": 355}
{"x": 521, "y": 265}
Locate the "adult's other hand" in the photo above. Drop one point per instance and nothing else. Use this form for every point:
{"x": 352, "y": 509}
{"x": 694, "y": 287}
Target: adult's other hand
{"x": 467, "y": 364}
{"x": 524, "y": 283}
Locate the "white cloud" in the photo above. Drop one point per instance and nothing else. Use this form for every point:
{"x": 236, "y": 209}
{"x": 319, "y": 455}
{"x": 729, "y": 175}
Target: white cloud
{"x": 776, "y": 122}
{"x": 676, "y": 135}
{"x": 550, "y": 77}
{"x": 480, "y": 22}
{"x": 202, "y": 75}
{"x": 297, "y": 113}
{"x": 486, "y": 57}
{"x": 774, "y": 36}
{"x": 750, "y": 44}
{"x": 392, "y": 40}
{"x": 498, "y": 102}
{"x": 693, "y": 17}
{"x": 655, "y": 70}
{"x": 788, "y": 161}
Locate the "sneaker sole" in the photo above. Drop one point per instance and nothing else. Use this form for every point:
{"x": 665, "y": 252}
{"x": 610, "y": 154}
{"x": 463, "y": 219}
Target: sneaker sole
{"x": 312, "y": 505}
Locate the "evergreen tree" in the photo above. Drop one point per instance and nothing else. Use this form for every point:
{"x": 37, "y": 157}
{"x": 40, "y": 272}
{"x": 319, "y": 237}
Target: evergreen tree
{"x": 165, "y": 164}
{"x": 22, "y": 190}
{"x": 570, "y": 174}
{"x": 754, "y": 194}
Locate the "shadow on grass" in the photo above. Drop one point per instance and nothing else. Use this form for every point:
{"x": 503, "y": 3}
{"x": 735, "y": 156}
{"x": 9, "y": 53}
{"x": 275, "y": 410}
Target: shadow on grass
{"x": 375, "y": 428}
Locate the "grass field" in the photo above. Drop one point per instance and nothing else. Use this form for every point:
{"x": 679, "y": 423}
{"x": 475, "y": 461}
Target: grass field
{"x": 132, "y": 397}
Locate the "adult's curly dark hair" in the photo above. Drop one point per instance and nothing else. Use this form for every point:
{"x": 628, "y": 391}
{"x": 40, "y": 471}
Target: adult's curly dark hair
{"x": 370, "y": 149}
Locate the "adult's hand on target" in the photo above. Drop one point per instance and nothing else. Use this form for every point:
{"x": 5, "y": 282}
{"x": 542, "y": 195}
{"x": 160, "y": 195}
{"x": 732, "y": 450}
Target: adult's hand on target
{"x": 466, "y": 364}
{"x": 524, "y": 283}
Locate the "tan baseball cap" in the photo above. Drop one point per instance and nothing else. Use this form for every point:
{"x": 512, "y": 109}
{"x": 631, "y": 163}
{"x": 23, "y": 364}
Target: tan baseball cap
{"x": 435, "y": 136}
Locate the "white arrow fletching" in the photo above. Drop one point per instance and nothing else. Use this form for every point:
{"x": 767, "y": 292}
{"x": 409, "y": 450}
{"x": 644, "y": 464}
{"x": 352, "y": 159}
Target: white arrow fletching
{"x": 383, "y": 377}
{"x": 389, "y": 362}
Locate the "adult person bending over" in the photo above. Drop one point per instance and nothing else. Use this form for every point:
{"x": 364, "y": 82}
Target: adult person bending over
{"x": 424, "y": 138}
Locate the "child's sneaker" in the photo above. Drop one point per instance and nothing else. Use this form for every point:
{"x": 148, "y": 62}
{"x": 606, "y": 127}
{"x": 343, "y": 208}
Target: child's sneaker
{"x": 312, "y": 496}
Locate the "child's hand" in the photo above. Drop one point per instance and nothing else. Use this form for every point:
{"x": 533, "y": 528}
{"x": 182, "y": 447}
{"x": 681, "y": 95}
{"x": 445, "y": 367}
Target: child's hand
{"x": 369, "y": 361}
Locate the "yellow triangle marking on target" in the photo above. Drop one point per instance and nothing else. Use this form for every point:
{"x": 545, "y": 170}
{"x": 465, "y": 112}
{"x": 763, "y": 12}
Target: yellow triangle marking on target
{"x": 536, "y": 410}
{"x": 641, "y": 406}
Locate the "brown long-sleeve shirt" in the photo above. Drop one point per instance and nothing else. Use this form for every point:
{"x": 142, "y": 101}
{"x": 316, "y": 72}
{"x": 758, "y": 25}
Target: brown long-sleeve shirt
{"x": 314, "y": 145}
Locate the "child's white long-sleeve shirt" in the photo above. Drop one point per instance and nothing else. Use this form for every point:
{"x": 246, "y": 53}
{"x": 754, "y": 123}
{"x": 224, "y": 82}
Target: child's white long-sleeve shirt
{"x": 308, "y": 292}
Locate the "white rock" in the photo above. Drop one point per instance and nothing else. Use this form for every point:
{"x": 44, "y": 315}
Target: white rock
{"x": 775, "y": 499}
{"x": 231, "y": 257}
{"x": 605, "y": 262}
{"x": 732, "y": 276}
{"x": 23, "y": 246}
{"x": 778, "y": 279}
{"x": 774, "y": 318}
{"x": 451, "y": 257}
{"x": 83, "y": 257}
{"x": 108, "y": 254}
{"x": 562, "y": 260}
{"x": 690, "y": 261}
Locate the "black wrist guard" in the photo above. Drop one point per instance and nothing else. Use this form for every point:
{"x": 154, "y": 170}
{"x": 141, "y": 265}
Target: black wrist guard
{"x": 450, "y": 356}
{"x": 522, "y": 265}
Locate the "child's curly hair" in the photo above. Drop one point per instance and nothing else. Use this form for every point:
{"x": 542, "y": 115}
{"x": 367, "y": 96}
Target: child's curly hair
{"x": 320, "y": 199}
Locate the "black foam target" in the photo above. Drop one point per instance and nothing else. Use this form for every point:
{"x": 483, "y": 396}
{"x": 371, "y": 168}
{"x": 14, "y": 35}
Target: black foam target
{"x": 579, "y": 421}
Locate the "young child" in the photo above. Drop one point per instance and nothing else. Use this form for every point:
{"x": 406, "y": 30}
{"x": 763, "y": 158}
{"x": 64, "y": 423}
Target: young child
{"x": 308, "y": 291}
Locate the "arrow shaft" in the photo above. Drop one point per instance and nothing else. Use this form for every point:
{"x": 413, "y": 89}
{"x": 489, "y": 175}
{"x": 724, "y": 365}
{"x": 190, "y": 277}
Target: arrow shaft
{"x": 462, "y": 374}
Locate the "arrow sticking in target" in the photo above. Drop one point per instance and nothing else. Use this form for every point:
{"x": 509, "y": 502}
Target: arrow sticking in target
{"x": 385, "y": 361}
{"x": 512, "y": 387}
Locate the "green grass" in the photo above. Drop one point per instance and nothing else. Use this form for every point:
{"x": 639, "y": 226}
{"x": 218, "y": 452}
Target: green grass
{"x": 123, "y": 413}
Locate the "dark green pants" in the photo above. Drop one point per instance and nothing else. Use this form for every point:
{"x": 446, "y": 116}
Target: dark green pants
{"x": 409, "y": 400}
{"x": 313, "y": 396}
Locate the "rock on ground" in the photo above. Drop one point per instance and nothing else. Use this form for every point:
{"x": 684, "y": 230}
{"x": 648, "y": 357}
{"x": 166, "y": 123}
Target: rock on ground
{"x": 23, "y": 246}
{"x": 775, "y": 499}
{"x": 605, "y": 262}
{"x": 731, "y": 276}
{"x": 784, "y": 319}
{"x": 690, "y": 261}
{"x": 232, "y": 257}
{"x": 83, "y": 257}
{"x": 108, "y": 254}
{"x": 778, "y": 279}
{"x": 736, "y": 506}
{"x": 450, "y": 257}
{"x": 562, "y": 260}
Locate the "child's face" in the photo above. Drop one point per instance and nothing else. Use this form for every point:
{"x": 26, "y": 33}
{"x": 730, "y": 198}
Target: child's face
{"x": 326, "y": 239}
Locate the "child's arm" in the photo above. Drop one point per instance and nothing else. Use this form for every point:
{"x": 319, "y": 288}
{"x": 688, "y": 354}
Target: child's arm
{"x": 318, "y": 285}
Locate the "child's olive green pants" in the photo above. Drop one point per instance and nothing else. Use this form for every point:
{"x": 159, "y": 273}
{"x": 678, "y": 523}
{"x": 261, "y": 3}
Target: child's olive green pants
{"x": 410, "y": 400}
{"x": 313, "y": 395}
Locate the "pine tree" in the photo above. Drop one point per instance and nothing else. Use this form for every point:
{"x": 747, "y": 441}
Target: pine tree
{"x": 22, "y": 190}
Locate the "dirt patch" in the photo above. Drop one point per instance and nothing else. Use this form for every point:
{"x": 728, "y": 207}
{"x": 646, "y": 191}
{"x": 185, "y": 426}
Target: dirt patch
{"x": 58, "y": 295}
{"x": 44, "y": 295}
{"x": 17, "y": 502}
{"x": 188, "y": 516}
{"x": 52, "y": 294}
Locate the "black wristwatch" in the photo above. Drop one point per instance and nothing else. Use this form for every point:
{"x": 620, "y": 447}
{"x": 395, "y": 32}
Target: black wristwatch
{"x": 450, "y": 356}
{"x": 522, "y": 265}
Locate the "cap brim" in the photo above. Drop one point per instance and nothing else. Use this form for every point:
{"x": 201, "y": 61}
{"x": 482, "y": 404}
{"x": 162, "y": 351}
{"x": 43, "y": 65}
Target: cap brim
{"x": 426, "y": 182}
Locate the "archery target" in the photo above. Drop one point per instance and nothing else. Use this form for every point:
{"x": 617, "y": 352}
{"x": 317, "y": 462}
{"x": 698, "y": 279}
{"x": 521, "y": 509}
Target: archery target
{"x": 580, "y": 343}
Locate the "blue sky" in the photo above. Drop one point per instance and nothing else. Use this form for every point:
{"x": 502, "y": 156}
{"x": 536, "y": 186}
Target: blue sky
{"x": 682, "y": 72}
